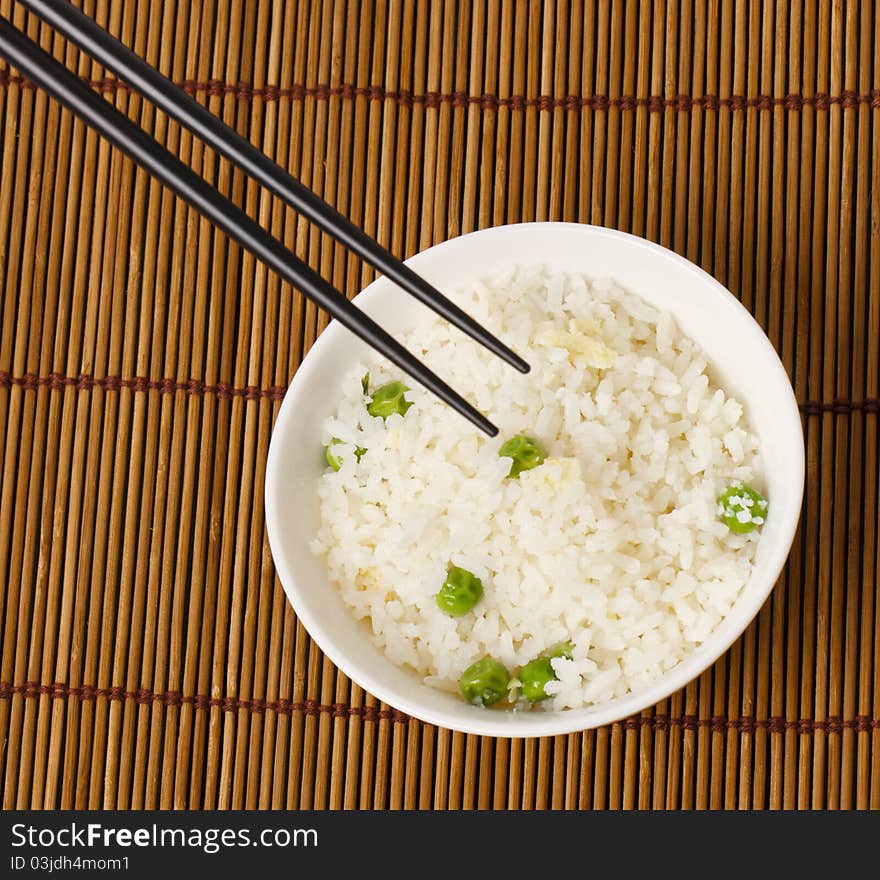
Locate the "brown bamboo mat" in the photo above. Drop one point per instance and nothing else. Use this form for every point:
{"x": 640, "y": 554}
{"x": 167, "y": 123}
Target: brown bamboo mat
{"x": 149, "y": 657}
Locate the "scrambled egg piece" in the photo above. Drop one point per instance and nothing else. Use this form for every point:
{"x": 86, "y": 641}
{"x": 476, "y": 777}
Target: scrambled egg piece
{"x": 581, "y": 341}
{"x": 553, "y": 474}
{"x": 367, "y": 579}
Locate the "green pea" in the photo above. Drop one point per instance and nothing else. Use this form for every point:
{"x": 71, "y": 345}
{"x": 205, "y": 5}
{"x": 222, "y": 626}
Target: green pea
{"x": 526, "y": 452}
{"x": 563, "y": 649}
{"x": 742, "y": 508}
{"x": 533, "y": 676}
{"x": 485, "y": 682}
{"x": 460, "y": 592}
{"x": 388, "y": 400}
{"x": 335, "y": 461}
{"x": 536, "y": 673}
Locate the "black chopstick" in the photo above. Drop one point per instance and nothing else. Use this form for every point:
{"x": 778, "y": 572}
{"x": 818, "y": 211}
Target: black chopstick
{"x": 74, "y": 94}
{"x": 146, "y": 80}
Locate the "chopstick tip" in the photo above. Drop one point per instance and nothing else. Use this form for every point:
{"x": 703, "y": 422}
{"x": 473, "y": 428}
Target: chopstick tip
{"x": 512, "y": 358}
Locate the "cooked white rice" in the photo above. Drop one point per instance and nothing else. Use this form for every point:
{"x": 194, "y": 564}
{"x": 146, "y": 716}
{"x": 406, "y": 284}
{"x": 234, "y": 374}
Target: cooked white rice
{"x": 613, "y": 543}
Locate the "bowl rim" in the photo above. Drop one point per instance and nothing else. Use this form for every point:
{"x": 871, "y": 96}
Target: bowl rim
{"x": 567, "y": 720}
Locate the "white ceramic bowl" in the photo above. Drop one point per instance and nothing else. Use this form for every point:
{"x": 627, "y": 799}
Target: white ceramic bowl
{"x": 744, "y": 360}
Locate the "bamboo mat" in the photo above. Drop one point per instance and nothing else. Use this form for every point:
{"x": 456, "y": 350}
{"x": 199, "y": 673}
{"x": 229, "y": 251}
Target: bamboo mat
{"x": 149, "y": 657}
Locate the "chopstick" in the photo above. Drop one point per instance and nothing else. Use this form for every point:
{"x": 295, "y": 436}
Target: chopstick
{"x": 114, "y": 55}
{"x": 74, "y": 94}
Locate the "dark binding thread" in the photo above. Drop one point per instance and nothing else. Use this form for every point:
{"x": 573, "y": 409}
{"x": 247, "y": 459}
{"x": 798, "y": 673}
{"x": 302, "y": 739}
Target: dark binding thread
{"x": 225, "y": 391}
{"x": 246, "y": 92}
{"x": 720, "y": 724}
